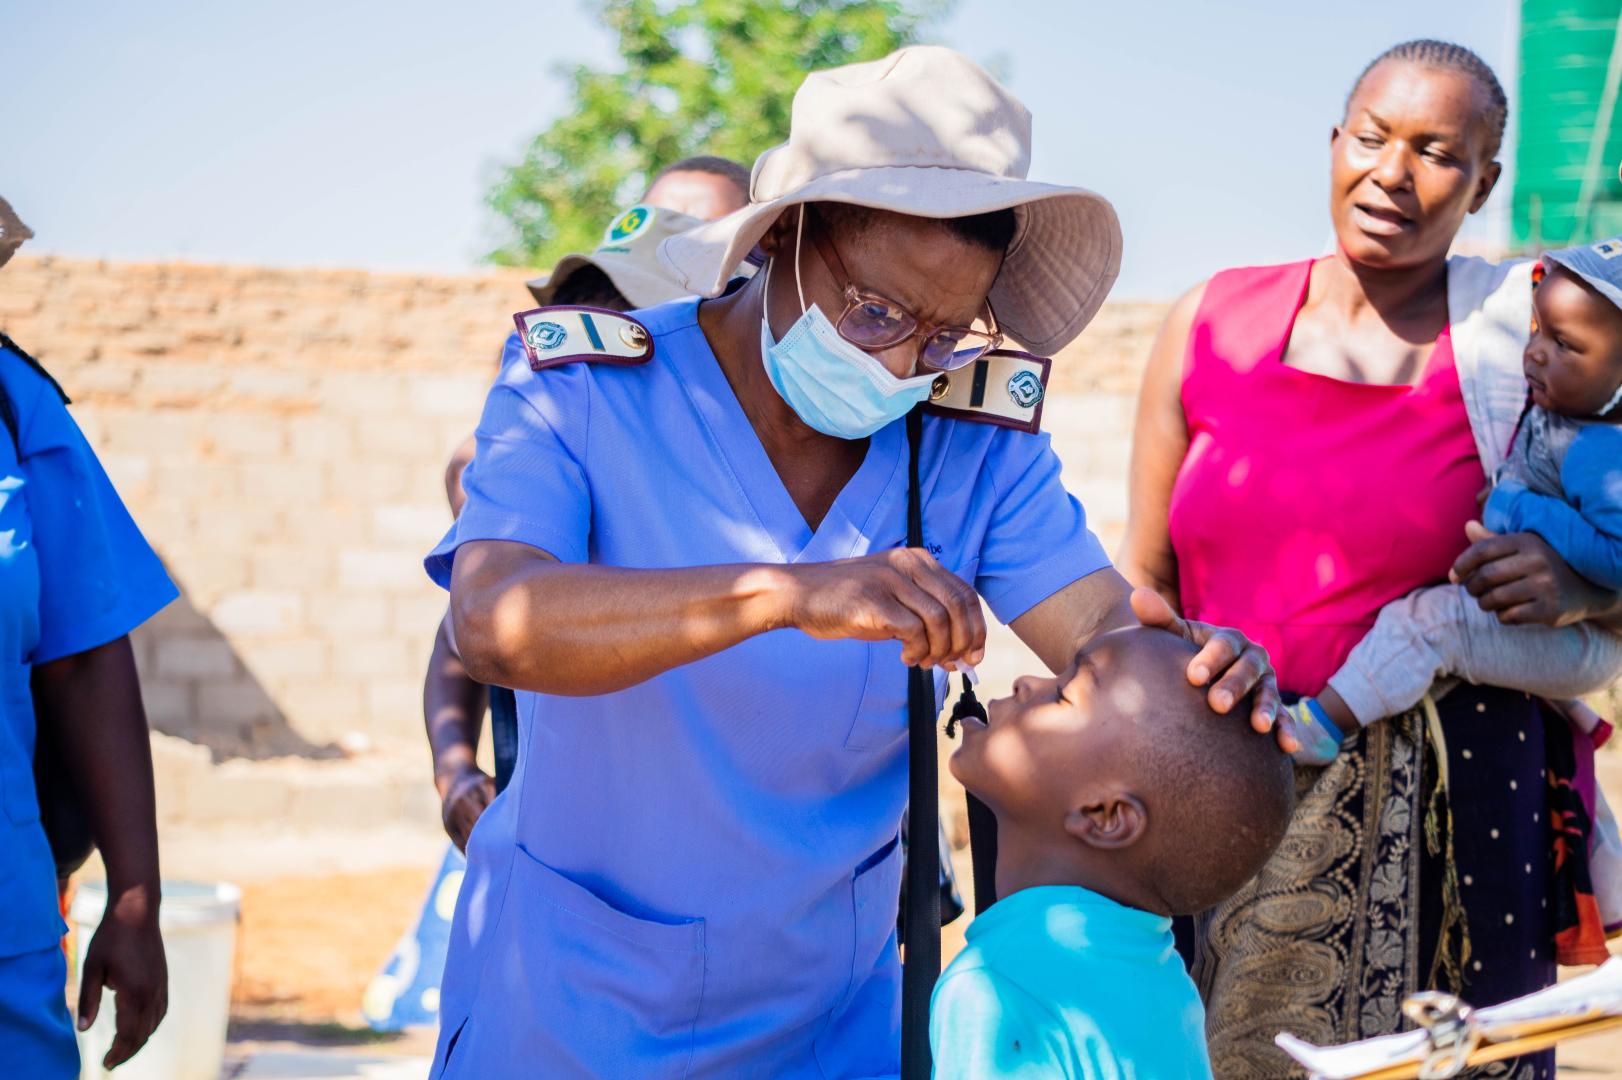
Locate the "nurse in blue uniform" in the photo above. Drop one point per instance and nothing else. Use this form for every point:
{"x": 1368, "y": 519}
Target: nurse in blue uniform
{"x": 75, "y": 578}
{"x": 684, "y": 545}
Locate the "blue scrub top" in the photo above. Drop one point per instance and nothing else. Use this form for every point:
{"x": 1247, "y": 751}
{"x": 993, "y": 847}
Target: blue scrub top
{"x": 75, "y": 573}
{"x": 699, "y": 874}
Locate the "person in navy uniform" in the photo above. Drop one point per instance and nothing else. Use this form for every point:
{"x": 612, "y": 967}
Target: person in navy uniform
{"x": 76, "y": 577}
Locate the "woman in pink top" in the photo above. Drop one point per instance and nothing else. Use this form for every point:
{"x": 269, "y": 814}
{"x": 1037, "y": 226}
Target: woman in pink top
{"x": 1303, "y": 457}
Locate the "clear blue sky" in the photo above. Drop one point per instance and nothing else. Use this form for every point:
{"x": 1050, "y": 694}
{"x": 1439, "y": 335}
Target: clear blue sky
{"x": 363, "y": 133}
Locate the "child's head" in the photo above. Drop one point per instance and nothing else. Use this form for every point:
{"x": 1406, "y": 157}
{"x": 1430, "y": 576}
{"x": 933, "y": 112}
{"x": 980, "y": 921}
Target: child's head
{"x": 1573, "y": 361}
{"x": 1118, "y": 776}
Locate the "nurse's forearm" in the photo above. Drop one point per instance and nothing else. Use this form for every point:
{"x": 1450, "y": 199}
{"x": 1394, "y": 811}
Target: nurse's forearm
{"x": 581, "y": 630}
{"x": 92, "y": 700}
{"x": 1057, "y": 628}
{"x": 453, "y": 707}
{"x": 524, "y": 620}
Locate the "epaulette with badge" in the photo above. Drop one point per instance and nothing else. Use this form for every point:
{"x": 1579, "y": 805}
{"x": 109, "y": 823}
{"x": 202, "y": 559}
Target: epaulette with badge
{"x": 562, "y": 335}
{"x": 1003, "y": 387}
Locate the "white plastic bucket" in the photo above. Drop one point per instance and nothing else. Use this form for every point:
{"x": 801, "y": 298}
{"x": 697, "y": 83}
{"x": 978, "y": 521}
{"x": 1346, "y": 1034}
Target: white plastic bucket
{"x": 199, "y": 924}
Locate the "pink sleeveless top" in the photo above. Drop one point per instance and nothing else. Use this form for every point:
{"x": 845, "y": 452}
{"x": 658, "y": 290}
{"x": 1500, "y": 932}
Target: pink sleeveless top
{"x": 1307, "y": 503}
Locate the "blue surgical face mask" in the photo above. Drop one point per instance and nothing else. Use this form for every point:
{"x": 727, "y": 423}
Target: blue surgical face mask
{"x": 832, "y": 385}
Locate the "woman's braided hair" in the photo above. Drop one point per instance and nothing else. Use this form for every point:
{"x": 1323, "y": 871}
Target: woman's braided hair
{"x": 1450, "y": 57}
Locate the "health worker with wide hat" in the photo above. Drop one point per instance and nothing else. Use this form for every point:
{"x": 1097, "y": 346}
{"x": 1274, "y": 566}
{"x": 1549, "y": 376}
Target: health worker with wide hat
{"x": 686, "y": 545}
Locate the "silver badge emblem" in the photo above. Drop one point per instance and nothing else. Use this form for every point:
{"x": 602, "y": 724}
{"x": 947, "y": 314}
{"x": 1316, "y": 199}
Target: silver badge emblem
{"x": 1025, "y": 389}
{"x": 545, "y": 336}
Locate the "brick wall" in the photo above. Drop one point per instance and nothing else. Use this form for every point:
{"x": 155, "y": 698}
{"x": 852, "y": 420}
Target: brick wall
{"x": 281, "y": 437}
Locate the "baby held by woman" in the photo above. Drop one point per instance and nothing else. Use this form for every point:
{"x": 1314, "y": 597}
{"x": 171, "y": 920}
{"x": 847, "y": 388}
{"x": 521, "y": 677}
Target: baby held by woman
{"x": 1562, "y": 481}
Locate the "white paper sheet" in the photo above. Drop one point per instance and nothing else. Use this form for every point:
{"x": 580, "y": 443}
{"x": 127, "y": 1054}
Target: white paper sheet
{"x": 1599, "y": 991}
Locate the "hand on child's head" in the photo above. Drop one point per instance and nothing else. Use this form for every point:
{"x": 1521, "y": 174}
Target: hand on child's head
{"x": 1232, "y": 669}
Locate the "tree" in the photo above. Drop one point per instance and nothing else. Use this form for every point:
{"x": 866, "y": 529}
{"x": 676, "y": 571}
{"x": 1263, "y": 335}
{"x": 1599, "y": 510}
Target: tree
{"x": 699, "y": 77}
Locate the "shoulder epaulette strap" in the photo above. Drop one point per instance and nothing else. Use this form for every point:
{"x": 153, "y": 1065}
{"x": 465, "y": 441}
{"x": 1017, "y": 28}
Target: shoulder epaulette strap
{"x": 1003, "y": 387}
{"x": 8, "y": 409}
{"x": 12, "y": 346}
{"x": 563, "y": 335}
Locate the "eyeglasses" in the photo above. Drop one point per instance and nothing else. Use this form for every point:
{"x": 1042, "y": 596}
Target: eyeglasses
{"x": 873, "y": 321}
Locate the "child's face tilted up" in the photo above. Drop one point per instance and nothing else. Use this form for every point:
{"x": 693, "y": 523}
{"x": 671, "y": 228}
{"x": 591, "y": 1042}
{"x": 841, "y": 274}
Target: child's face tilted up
{"x": 1573, "y": 361}
{"x": 1116, "y": 775}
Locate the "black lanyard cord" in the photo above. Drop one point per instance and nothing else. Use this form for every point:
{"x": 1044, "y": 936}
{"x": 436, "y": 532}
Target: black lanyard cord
{"x": 923, "y": 916}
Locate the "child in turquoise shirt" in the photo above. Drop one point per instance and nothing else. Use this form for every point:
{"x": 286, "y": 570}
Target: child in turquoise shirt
{"x": 1121, "y": 800}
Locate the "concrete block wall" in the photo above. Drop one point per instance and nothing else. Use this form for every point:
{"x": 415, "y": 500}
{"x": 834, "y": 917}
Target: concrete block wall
{"x": 281, "y": 436}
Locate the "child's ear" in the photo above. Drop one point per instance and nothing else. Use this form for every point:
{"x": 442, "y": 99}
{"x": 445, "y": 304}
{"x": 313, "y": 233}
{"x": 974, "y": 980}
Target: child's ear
{"x": 1112, "y": 820}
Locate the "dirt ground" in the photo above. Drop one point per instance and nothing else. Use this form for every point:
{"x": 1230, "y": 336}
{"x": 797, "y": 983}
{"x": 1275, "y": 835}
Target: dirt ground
{"x": 310, "y": 945}
{"x": 307, "y": 946}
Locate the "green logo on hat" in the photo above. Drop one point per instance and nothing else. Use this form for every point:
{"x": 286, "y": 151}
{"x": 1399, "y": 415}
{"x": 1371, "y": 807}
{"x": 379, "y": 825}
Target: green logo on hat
{"x": 629, "y": 225}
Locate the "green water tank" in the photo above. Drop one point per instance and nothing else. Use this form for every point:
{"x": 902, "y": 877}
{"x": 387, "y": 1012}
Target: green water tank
{"x": 1570, "y": 123}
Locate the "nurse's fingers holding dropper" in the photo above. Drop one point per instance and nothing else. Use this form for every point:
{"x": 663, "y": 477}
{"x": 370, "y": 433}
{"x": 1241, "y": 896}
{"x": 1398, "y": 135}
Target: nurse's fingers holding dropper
{"x": 901, "y": 595}
{"x": 966, "y": 619}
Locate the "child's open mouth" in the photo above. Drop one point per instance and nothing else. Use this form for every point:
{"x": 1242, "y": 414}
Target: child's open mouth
{"x": 992, "y": 709}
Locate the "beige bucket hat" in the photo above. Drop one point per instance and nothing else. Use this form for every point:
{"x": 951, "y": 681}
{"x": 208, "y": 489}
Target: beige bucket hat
{"x": 927, "y": 132}
{"x": 12, "y": 232}
{"x": 626, "y": 255}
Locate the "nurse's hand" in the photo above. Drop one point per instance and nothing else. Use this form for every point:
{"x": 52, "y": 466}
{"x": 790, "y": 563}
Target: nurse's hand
{"x": 463, "y": 798}
{"x": 898, "y": 595}
{"x": 126, "y": 956}
{"x": 1232, "y": 665}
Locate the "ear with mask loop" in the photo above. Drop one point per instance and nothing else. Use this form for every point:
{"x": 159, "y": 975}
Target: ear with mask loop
{"x": 799, "y": 235}
{"x": 766, "y": 271}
